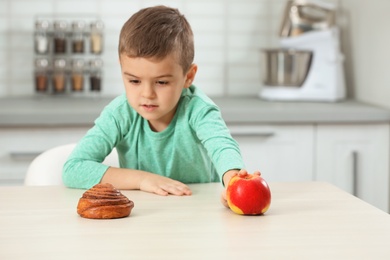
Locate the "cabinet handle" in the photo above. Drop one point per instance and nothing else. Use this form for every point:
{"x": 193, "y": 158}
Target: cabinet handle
{"x": 23, "y": 155}
{"x": 355, "y": 173}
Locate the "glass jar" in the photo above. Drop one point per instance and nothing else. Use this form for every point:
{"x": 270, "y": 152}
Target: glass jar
{"x": 59, "y": 76}
{"x": 96, "y": 38}
{"x": 60, "y": 39}
{"x": 78, "y": 75}
{"x": 95, "y": 77}
{"x": 41, "y": 38}
{"x": 41, "y": 75}
{"x": 78, "y": 36}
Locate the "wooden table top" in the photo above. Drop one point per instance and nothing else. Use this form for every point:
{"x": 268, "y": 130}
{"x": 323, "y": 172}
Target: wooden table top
{"x": 310, "y": 220}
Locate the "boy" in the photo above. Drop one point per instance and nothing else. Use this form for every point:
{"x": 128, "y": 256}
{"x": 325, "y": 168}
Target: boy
{"x": 166, "y": 131}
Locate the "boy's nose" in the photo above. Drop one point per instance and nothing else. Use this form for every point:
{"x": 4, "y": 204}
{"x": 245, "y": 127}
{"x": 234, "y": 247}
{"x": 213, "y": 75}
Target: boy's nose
{"x": 148, "y": 91}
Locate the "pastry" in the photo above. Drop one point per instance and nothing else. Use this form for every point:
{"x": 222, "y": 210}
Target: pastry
{"x": 104, "y": 201}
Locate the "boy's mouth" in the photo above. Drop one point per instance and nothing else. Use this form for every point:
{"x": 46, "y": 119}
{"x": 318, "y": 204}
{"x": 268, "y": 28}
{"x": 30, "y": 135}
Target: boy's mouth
{"x": 149, "y": 107}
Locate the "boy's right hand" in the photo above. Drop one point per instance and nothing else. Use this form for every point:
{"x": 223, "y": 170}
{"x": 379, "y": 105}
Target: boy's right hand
{"x": 128, "y": 179}
{"x": 163, "y": 185}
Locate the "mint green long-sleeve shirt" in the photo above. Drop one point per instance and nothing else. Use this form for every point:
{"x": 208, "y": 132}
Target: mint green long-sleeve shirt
{"x": 196, "y": 147}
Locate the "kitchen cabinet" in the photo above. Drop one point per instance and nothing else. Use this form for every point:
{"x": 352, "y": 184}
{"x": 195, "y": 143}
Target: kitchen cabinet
{"x": 280, "y": 152}
{"x": 356, "y": 159}
{"x": 19, "y": 146}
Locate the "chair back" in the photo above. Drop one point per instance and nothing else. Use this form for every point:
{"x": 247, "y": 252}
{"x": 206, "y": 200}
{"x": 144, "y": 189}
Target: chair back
{"x": 46, "y": 168}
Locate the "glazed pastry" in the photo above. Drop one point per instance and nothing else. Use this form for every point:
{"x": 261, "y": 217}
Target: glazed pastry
{"x": 104, "y": 201}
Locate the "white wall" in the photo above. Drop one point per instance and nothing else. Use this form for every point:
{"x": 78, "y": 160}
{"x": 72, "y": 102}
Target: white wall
{"x": 366, "y": 44}
{"x": 228, "y": 35}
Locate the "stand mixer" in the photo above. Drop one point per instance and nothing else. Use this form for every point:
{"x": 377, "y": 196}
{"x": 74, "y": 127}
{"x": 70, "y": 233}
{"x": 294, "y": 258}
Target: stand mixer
{"x": 323, "y": 79}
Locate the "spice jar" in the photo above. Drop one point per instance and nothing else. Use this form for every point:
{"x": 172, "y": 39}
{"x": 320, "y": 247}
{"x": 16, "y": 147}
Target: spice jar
{"x": 95, "y": 78}
{"x": 59, "y": 76}
{"x": 41, "y": 37}
{"x": 78, "y": 36}
{"x": 41, "y": 75}
{"x": 78, "y": 75}
{"x": 96, "y": 37}
{"x": 60, "y": 40}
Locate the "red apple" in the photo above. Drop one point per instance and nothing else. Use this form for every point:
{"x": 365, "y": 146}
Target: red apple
{"x": 248, "y": 194}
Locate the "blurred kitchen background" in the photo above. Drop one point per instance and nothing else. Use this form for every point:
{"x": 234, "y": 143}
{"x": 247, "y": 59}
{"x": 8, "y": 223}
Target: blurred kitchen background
{"x": 346, "y": 143}
{"x": 228, "y": 37}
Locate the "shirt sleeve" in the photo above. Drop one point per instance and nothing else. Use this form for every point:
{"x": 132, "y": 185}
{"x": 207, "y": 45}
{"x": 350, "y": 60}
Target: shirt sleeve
{"x": 215, "y": 136}
{"x": 84, "y": 167}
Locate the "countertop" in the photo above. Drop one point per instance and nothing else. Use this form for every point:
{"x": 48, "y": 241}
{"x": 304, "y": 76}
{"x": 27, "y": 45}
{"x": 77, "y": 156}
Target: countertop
{"x": 309, "y": 220}
{"x": 72, "y": 111}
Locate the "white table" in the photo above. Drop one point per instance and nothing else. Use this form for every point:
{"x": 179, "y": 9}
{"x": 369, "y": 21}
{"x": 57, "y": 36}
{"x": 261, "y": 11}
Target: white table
{"x": 305, "y": 221}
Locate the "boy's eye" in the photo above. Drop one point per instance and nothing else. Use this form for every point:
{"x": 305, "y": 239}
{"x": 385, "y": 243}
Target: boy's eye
{"x": 162, "y": 82}
{"x": 134, "y": 81}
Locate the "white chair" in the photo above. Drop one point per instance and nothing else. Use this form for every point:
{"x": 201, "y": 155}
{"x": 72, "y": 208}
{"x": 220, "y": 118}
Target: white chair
{"x": 46, "y": 168}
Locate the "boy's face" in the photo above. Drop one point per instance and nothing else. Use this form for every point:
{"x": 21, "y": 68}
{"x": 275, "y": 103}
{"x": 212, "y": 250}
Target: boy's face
{"x": 153, "y": 87}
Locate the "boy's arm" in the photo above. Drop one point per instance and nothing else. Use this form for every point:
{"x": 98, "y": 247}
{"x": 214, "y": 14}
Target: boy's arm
{"x": 215, "y": 136}
{"x": 145, "y": 181}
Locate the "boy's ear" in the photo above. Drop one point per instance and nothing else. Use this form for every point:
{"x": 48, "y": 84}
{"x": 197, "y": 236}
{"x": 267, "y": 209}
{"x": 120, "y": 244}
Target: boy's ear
{"x": 190, "y": 76}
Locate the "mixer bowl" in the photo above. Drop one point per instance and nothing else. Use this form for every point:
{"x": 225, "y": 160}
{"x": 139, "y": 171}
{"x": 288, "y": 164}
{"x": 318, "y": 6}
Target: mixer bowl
{"x": 285, "y": 67}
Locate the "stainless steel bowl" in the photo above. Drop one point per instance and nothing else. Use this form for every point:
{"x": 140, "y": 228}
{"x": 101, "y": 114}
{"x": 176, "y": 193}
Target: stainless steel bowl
{"x": 285, "y": 67}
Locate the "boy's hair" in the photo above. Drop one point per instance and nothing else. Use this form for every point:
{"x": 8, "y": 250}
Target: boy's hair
{"x": 157, "y": 32}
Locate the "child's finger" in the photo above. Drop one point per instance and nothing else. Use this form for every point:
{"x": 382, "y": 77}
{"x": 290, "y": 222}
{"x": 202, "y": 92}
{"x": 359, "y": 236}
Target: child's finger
{"x": 257, "y": 173}
{"x": 243, "y": 172}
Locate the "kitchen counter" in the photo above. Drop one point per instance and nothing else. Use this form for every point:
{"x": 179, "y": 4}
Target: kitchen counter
{"x": 61, "y": 110}
{"x": 306, "y": 220}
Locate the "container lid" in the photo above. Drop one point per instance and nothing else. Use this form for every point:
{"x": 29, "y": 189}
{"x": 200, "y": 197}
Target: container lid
{"x": 41, "y": 63}
{"x": 78, "y": 25}
{"x": 97, "y": 25}
{"x": 60, "y": 25}
{"x": 78, "y": 64}
{"x": 42, "y": 24}
{"x": 96, "y": 64}
{"x": 60, "y": 63}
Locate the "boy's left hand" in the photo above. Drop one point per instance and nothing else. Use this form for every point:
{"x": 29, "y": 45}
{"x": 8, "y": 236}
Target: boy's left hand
{"x": 163, "y": 185}
{"x": 223, "y": 199}
{"x": 226, "y": 179}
